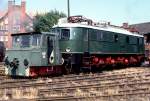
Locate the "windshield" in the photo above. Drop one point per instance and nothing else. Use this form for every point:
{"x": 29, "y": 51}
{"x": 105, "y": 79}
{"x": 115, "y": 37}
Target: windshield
{"x": 65, "y": 34}
{"x": 25, "y": 41}
{"x": 16, "y": 41}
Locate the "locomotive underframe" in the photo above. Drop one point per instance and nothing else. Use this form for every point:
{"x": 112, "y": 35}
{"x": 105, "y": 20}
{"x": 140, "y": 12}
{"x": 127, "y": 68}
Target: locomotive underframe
{"x": 76, "y": 63}
{"x": 79, "y": 61}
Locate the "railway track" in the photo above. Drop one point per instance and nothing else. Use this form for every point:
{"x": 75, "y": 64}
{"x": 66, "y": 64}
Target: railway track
{"x": 115, "y": 85}
{"x": 92, "y": 91}
{"x": 76, "y": 80}
{"x": 82, "y": 81}
{"x": 78, "y": 77}
{"x": 115, "y": 97}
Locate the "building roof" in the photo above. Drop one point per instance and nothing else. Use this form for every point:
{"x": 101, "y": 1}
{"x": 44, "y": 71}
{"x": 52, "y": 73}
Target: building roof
{"x": 143, "y": 28}
{"x": 2, "y": 13}
{"x": 6, "y": 14}
{"x": 2, "y": 17}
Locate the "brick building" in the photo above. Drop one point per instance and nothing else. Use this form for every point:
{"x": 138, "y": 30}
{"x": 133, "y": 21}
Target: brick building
{"x": 13, "y": 21}
{"x": 144, "y": 28}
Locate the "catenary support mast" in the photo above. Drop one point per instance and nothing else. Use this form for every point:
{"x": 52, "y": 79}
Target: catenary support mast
{"x": 68, "y": 6}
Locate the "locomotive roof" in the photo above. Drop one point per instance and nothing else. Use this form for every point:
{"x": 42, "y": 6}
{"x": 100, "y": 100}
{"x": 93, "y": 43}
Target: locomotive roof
{"x": 107, "y": 28}
{"x": 31, "y": 33}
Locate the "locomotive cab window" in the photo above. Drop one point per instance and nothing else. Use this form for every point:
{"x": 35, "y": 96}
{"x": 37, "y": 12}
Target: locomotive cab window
{"x": 25, "y": 41}
{"x": 16, "y": 41}
{"x": 65, "y": 34}
{"x": 36, "y": 40}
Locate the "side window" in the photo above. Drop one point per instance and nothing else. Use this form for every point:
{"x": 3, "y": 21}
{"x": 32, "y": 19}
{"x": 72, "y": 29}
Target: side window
{"x": 105, "y": 36}
{"x": 92, "y": 34}
{"x": 85, "y": 34}
{"x": 99, "y": 35}
{"x": 36, "y": 40}
{"x": 133, "y": 40}
{"x": 115, "y": 38}
{"x": 65, "y": 34}
{"x": 109, "y": 36}
{"x": 141, "y": 41}
{"x": 127, "y": 39}
{"x": 138, "y": 41}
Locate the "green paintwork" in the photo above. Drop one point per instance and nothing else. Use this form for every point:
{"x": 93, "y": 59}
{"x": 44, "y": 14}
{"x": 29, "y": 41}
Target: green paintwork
{"x": 78, "y": 40}
{"x": 78, "y": 44}
{"x": 34, "y": 55}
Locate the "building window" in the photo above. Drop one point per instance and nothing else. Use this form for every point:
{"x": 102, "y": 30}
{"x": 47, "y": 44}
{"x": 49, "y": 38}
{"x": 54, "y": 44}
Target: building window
{"x": 6, "y": 27}
{"x": 6, "y": 33}
{"x": 6, "y": 38}
{"x": 1, "y": 23}
{"x": 16, "y": 28}
{"x": 1, "y": 38}
{"x": 1, "y": 27}
{"x": 6, "y": 21}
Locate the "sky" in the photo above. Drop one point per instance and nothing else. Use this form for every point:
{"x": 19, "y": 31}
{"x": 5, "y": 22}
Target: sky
{"x": 114, "y": 11}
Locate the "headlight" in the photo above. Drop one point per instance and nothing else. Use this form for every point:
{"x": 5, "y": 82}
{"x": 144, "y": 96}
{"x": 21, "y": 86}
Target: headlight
{"x": 67, "y": 49}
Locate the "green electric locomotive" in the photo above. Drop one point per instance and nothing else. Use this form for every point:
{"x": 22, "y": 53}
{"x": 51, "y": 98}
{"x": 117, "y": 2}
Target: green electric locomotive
{"x": 74, "y": 44}
{"x": 84, "y": 44}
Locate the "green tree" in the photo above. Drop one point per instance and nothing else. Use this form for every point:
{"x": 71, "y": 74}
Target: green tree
{"x": 43, "y": 22}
